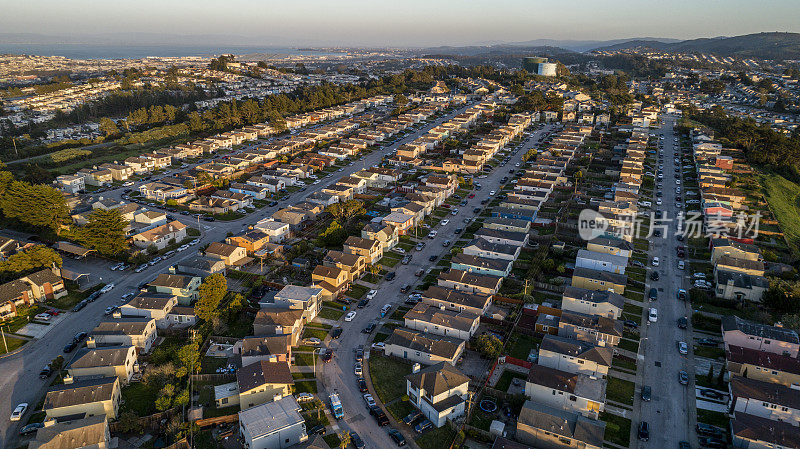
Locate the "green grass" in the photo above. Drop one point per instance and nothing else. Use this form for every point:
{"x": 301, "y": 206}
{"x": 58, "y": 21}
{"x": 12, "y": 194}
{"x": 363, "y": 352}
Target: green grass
{"x": 506, "y": 378}
{"x": 310, "y": 332}
{"x": 357, "y": 291}
{"x": 209, "y": 365}
{"x": 618, "y": 362}
{"x": 521, "y": 345}
{"x": 296, "y": 376}
{"x": 618, "y": 429}
{"x": 330, "y": 313}
{"x": 400, "y": 409}
{"x": 783, "y": 197}
{"x": 139, "y": 398}
{"x": 619, "y": 390}
{"x": 387, "y": 377}
{"x": 306, "y": 386}
{"x": 714, "y": 418}
{"x": 708, "y": 324}
{"x": 629, "y": 345}
{"x": 11, "y": 344}
{"x": 304, "y": 359}
{"x": 332, "y": 440}
{"x": 709, "y": 353}
{"x": 437, "y": 438}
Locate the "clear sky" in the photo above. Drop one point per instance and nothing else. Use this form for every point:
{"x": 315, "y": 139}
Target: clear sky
{"x": 402, "y": 22}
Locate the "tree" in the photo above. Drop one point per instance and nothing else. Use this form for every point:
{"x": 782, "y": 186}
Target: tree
{"x": 30, "y": 260}
{"x": 344, "y": 439}
{"x": 128, "y": 422}
{"x": 108, "y": 127}
{"x": 346, "y": 211}
{"x": 210, "y": 294}
{"x": 489, "y": 346}
{"x": 189, "y": 358}
{"x": 105, "y": 232}
{"x": 39, "y": 206}
{"x": 791, "y": 322}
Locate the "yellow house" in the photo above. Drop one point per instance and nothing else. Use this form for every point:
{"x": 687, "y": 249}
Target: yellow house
{"x": 88, "y": 397}
{"x": 259, "y": 383}
{"x": 332, "y": 280}
{"x": 599, "y": 280}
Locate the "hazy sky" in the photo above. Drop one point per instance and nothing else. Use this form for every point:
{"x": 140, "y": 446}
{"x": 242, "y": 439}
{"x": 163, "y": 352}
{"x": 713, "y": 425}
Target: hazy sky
{"x": 403, "y": 22}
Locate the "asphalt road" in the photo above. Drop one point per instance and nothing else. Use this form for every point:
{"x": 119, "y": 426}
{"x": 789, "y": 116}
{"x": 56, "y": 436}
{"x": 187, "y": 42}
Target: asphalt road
{"x": 339, "y": 374}
{"x": 671, "y": 412}
{"x": 19, "y": 381}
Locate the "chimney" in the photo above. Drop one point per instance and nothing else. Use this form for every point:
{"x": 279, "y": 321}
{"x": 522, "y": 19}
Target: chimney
{"x": 415, "y": 368}
{"x": 68, "y": 379}
{"x": 117, "y": 314}
{"x": 91, "y": 343}
{"x": 50, "y": 422}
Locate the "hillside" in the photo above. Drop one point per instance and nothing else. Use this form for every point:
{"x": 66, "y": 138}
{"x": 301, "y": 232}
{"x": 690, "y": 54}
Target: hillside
{"x": 773, "y": 45}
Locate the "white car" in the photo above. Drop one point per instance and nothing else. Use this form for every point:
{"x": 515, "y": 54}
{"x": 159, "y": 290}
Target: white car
{"x": 379, "y": 345}
{"x": 183, "y": 248}
{"x": 107, "y": 288}
{"x": 492, "y": 192}
{"x": 454, "y": 212}
{"x": 109, "y": 310}
{"x": 141, "y": 268}
{"x": 350, "y": 315}
{"x": 655, "y": 261}
{"x": 42, "y": 317}
{"x": 658, "y": 201}
{"x": 678, "y": 181}
{"x": 683, "y": 348}
{"x": 444, "y": 222}
{"x": 358, "y": 369}
{"x": 369, "y": 400}
{"x": 305, "y": 397}
{"x": 312, "y": 341}
{"x": 371, "y": 294}
{"x": 399, "y": 250}
{"x": 16, "y": 415}
{"x": 652, "y": 315}
{"x": 681, "y": 264}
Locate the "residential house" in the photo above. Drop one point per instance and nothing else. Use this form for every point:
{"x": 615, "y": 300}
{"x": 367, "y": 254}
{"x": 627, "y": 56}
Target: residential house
{"x": 252, "y": 241}
{"x": 724, "y": 246}
{"x": 388, "y": 235}
{"x": 275, "y": 425}
{"x": 761, "y": 337}
{"x": 572, "y": 392}
{"x": 263, "y": 382}
{"x": 354, "y": 265}
{"x": 739, "y": 286}
{"x": 464, "y": 281}
{"x": 481, "y": 265}
{"x": 595, "y": 329}
{"x": 70, "y": 183}
{"x": 139, "y": 332}
{"x": 765, "y": 399}
{"x": 80, "y": 433}
{"x": 590, "y": 279}
{"x": 161, "y": 236}
{"x": 575, "y": 356}
{"x": 276, "y": 230}
{"x": 91, "y": 397}
{"x": 160, "y": 191}
{"x": 544, "y": 427}
{"x": 592, "y": 302}
{"x": 763, "y": 366}
{"x": 268, "y": 348}
{"x": 601, "y": 261}
{"x": 424, "y": 348}
{"x": 371, "y": 250}
{"x": 307, "y": 299}
{"x": 432, "y": 319}
{"x": 439, "y": 392}
{"x": 150, "y": 305}
{"x": 230, "y": 254}
{"x": 502, "y": 237}
{"x": 750, "y": 431}
{"x": 332, "y": 280}
{"x": 455, "y": 300}
{"x": 113, "y": 361}
{"x": 200, "y": 266}
{"x": 484, "y": 248}
{"x": 279, "y": 322}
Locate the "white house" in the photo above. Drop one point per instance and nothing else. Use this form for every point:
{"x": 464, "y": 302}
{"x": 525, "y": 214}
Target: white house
{"x": 438, "y": 391}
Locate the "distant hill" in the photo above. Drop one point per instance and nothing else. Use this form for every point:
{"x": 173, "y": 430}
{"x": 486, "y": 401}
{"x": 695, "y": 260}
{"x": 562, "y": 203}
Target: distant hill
{"x": 772, "y": 45}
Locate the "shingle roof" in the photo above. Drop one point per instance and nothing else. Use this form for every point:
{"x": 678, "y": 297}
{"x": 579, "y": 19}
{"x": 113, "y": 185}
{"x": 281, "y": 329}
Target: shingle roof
{"x": 594, "y": 296}
{"x": 428, "y": 343}
{"x": 262, "y": 373}
{"x": 477, "y": 301}
{"x": 738, "y": 354}
{"x": 756, "y": 428}
{"x": 742, "y": 387}
{"x": 574, "y": 383}
{"x": 465, "y": 277}
{"x": 171, "y": 281}
{"x": 80, "y": 392}
{"x": 428, "y": 313}
{"x": 733, "y": 322}
{"x": 280, "y": 317}
{"x": 578, "y": 349}
{"x": 95, "y": 357}
{"x": 561, "y": 422}
{"x": 614, "y": 278}
{"x": 78, "y": 433}
{"x": 268, "y": 345}
{"x": 596, "y": 322}
{"x": 437, "y": 379}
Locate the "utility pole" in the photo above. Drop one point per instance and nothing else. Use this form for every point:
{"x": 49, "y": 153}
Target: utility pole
{"x": 4, "y": 339}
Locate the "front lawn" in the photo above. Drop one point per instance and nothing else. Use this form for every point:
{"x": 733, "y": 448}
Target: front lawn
{"x": 330, "y": 313}
{"x": 619, "y": 390}
{"x": 304, "y": 358}
{"x": 618, "y": 429}
{"x": 387, "y": 376}
{"x": 357, "y": 291}
{"x": 310, "y": 332}
{"x": 714, "y": 418}
{"x": 11, "y": 344}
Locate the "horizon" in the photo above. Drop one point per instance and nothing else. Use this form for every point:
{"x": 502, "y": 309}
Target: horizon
{"x": 414, "y": 24}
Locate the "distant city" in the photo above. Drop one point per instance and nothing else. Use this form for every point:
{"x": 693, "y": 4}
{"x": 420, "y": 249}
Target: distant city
{"x": 544, "y": 244}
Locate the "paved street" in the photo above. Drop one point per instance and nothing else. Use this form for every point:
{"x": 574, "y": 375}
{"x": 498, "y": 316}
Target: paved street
{"x": 19, "y": 381}
{"x": 339, "y": 374}
{"x": 671, "y": 413}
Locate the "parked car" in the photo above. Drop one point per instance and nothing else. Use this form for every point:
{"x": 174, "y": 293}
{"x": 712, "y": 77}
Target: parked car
{"x": 69, "y": 347}
{"x": 350, "y": 315}
{"x": 708, "y": 342}
{"x": 304, "y": 397}
{"x": 31, "y": 428}
{"x": 390, "y": 276}
{"x": 712, "y": 394}
{"x": 712, "y": 442}
{"x": 654, "y": 276}
{"x": 45, "y": 372}
{"x": 423, "y": 426}
{"x": 682, "y": 322}
{"x": 644, "y": 431}
{"x": 368, "y": 330}
{"x": 683, "y": 377}
{"x": 336, "y": 332}
{"x": 652, "y": 294}
{"x": 19, "y": 410}
{"x": 379, "y": 415}
{"x": 708, "y": 430}
{"x": 652, "y": 315}
{"x": 683, "y": 348}
{"x": 412, "y": 417}
{"x": 398, "y": 437}
{"x": 362, "y": 385}
{"x": 646, "y": 393}
{"x": 327, "y": 356}
{"x": 356, "y": 440}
